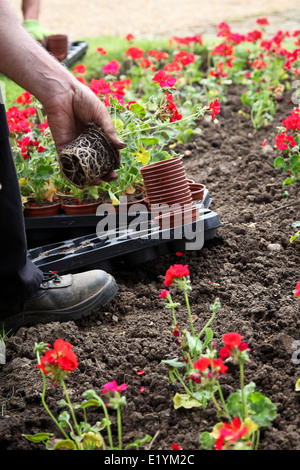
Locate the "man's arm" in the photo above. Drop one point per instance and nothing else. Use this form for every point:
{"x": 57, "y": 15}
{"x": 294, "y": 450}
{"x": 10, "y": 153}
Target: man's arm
{"x": 69, "y": 104}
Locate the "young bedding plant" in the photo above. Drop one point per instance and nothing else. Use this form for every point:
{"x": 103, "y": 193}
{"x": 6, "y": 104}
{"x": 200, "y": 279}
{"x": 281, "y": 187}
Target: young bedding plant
{"x": 57, "y": 363}
{"x": 202, "y": 368}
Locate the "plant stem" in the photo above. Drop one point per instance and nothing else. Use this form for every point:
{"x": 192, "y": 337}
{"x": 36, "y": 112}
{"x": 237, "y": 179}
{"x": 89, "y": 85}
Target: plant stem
{"x": 71, "y": 407}
{"x": 222, "y": 400}
{"x": 243, "y": 391}
{"x": 215, "y": 402}
{"x": 119, "y": 417}
{"x": 189, "y": 310}
{"x": 45, "y": 405}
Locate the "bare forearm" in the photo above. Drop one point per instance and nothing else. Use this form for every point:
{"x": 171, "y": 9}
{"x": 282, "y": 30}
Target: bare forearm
{"x": 24, "y": 61}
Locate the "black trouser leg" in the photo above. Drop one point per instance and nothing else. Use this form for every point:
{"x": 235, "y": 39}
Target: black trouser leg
{"x": 19, "y": 277}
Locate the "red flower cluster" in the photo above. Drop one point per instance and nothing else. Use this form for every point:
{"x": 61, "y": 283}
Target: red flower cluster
{"x": 158, "y": 55}
{"x": 223, "y": 49}
{"x": 168, "y": 110}
{"x": 184, "y": 57}
{"x": 233, "y": 345}
{"x": 262, "y": 21}
{"x": 113, "y": 387}
{"x": 59, "y": 361}
{"x": 214, "y": 108}
{"x": 230, "y": 432}
{"x": 80, "y": 68}
{"x": 25, "y": 145}
{"x": 134, "y": 53}
{"x": 112, "y": 67}
{"x": 177, "y": 271}
{"x": 164, "y": 293}
{"x": 206, "y": 370}
{"x": 187, "y": 41}
{"x": 163, "y": 79}
{"x": 283, "y": 141}
{"x": 24, "y": 98}
{"x": 18, "y": 120}
{"x": 297, "y": 289}
{"x": 101, "y": 51}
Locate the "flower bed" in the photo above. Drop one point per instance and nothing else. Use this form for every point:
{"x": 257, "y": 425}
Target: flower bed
{"x": 251, "y": 267}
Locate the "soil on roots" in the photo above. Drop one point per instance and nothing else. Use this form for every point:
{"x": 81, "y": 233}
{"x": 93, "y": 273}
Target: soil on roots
{"x": 250, "y": 265}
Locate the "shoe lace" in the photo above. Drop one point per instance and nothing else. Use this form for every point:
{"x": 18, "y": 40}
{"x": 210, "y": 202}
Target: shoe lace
{"x": 50, "y": 276}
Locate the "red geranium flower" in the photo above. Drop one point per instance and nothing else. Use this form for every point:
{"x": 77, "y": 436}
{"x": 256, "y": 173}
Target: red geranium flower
{"x": 129, "y": 37}
{"x": 163, "y": 79}
{"x": 24, "y": 98}
{"x": 176, "y": 447}
{"x": 101, "y": 50}
{"x": 262, "y": 21}
{"x": 177, "y": 271}
{"x": 214, "y": 108}
{"x": 184, "y": 57}
{"x": 231, "y": 432}
{"x": 80, "y": 68}
{"x": 59, "y": 361}
{"x": 112, "y": 67}
{"x": 134, "y": 53}
{"x": 113, "y": 387}
{"x": 233, "y": 345}
{"x": 283, "y": 141}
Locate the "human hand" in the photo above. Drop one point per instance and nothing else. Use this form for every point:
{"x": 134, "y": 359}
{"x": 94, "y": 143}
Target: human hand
{"x": 69, "y": 113}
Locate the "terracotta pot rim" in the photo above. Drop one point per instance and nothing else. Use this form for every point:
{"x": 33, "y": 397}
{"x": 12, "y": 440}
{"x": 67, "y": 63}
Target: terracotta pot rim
{"x": 170, "y": 202}
{"x": 171, "y": 175}
{"x": 170, "y": 189}
{"x": 168, "y": 162}
{"x": 196, "y": 186}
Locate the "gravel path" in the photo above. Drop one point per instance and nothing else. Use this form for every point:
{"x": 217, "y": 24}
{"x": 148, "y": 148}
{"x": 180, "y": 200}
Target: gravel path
{"x": 81, "y": 19}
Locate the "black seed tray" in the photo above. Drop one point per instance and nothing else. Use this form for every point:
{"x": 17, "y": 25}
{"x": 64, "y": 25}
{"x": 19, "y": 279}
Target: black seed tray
{"x": 77, "y": 49}
{"x": 46, "y": 230}
{"x": 125, "y": 247}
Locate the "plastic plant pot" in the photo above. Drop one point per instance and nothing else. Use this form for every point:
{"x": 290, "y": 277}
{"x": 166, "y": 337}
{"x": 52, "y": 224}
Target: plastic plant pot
{"x": 197, "y": 191}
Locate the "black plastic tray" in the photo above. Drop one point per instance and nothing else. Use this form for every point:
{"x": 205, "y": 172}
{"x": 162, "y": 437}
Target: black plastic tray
{"x": 122, "y": 248}
{"x": 46, "y": 230}
{"x": 77, "y": 49}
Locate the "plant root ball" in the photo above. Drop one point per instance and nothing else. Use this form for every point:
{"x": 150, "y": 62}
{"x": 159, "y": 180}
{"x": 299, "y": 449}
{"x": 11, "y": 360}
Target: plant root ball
{"x": 90, "y": 157}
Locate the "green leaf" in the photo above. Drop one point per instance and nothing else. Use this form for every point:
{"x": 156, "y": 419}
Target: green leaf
{"x": 38, "y": 437}
{"x": 174, "y": 363}
{"x": 150, "y": 140}
{"x": 182, "y": 400}
{"x": 297, "y": 386}
{"x": 288, "y": 181}
{"x": 64, "y": 418}
{"x": 140, "y": 442}
{"x": 208, "y": 336}
{"x": 263, "y": 411}
{"x": 279, "y": 162}
{"x": 194, "y": 344}
{"x": 67, "y": 443}
{"x": 206, "y": 440}
{"x": 138, "y": 109}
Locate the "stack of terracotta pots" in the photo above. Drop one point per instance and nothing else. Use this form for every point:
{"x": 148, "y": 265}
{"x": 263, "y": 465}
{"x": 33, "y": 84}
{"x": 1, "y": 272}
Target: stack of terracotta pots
{"x": 169, "y": 194}
{"x": 58, "y": 46}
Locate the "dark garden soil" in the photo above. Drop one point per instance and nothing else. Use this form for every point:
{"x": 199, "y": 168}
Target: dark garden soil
{"x": 250, "y": 265}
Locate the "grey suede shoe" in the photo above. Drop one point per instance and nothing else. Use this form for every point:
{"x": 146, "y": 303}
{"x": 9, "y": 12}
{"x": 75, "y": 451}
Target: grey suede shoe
{"x": 63, "y": 298}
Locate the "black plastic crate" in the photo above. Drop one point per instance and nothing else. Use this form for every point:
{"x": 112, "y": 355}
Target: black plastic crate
{"x": 111, "y": 250}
